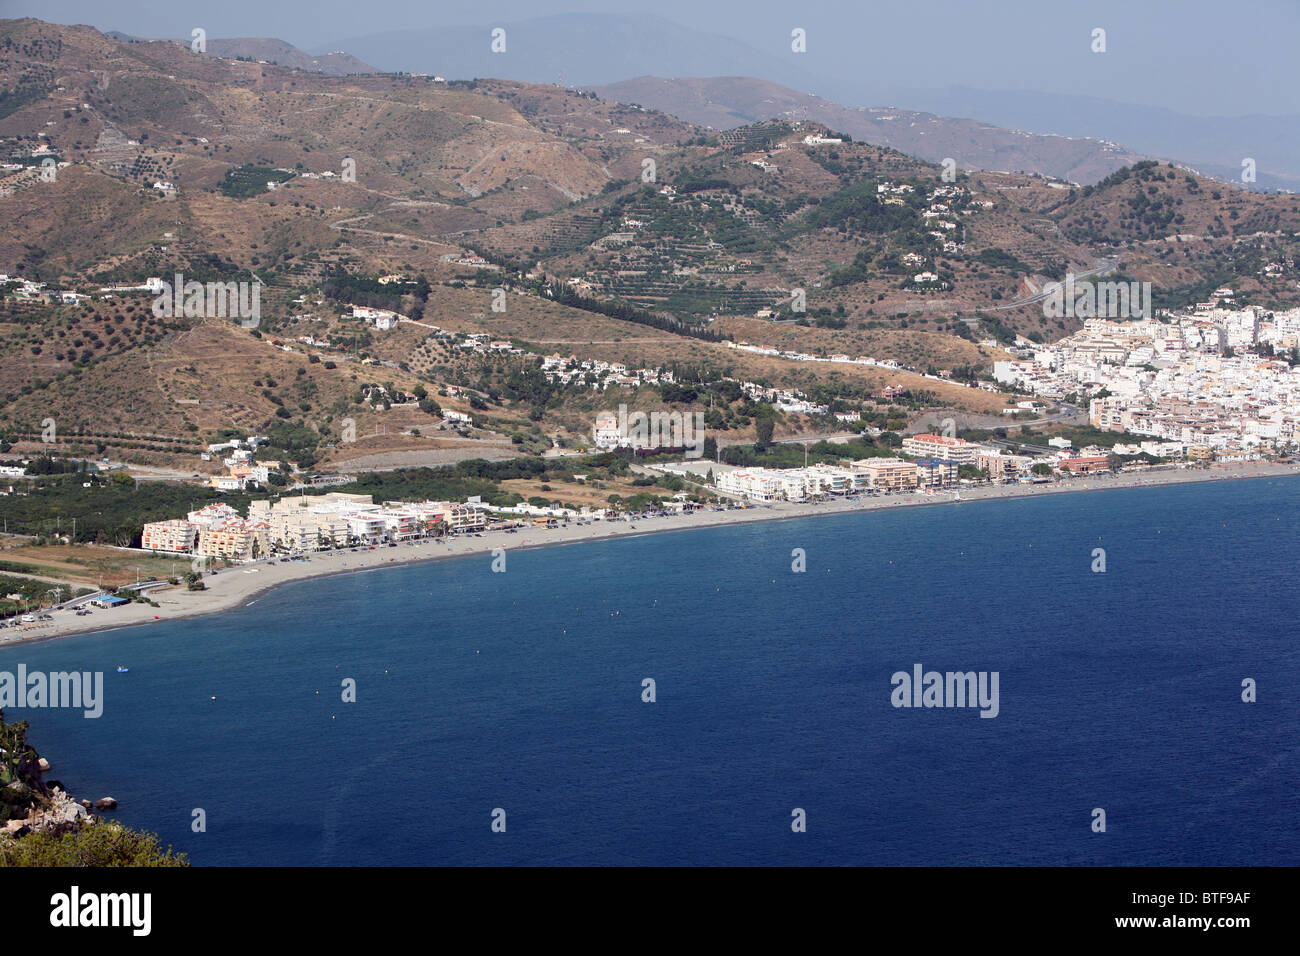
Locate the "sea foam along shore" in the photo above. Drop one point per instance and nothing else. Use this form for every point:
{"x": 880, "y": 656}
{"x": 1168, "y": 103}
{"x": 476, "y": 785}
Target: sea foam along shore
{"x": 241, "y": 584}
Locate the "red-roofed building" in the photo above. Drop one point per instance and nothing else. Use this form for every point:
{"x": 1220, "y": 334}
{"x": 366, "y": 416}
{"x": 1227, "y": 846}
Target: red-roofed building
{"x": 1085, "y": 464}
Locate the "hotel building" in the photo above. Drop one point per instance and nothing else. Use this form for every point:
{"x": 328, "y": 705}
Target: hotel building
{"x": 940, "y": 446}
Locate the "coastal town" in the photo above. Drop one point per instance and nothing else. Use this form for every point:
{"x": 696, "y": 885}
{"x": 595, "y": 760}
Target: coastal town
{"x": 580, "y": 417}
{"x": 1215, "y": 379}
{"x": 233, "y": 558}
{"x": 928, "y": 463}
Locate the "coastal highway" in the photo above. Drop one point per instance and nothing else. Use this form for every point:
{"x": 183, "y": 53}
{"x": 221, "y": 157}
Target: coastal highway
{"x": 1100, "y": 267}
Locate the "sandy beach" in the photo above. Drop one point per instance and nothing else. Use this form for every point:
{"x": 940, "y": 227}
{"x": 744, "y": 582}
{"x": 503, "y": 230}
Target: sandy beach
{"x": 241, "y": 584}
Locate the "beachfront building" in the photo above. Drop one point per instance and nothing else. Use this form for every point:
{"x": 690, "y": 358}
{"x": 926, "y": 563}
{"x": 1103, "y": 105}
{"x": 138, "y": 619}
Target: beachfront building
{"x": 935, "y": 472}
{"x": 223, "y": 533}
{"x": 822, "y": 479}
{"x": 999, "y": 465}
{"x": 858, "y": 475}
{"x": 308, "y": 523}
{"x": 401, "y": 522}
{"x": 796, "y": 484}
{"x": 538, "y": 514}
{"x": 336, "y": 520}
{"x": 1084, "y": 464}
{"x": 366, "y": 528}
{"x": 235, "y": 538}
{"x": 756, "y": 484}
{"x": 940, "y": 446}
{"x": 308, "y": 530}
{"x": 799, "y": 484}
{"x": 176, "y": 536}
{"x": 891, "y": 474}
{"x": 427, "y": 517}
{"x": 461, "y": 518}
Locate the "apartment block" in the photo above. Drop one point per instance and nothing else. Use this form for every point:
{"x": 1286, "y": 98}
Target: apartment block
{"x": 175, "y": 535}
{"x": 940, "y": 446}
{"x": 891, "y": 474}
{"x": 935, "y": 472}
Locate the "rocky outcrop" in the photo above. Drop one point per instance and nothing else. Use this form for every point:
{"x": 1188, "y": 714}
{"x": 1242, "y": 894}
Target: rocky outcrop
{"x": 61, "y": 809}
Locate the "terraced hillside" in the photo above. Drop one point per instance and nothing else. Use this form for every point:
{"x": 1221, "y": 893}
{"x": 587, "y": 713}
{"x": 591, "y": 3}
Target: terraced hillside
{"x": 539, "y": 217}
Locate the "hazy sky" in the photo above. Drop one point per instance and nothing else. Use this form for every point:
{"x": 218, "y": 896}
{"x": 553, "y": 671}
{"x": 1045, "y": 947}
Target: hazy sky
{"x": 1200, "y": 57}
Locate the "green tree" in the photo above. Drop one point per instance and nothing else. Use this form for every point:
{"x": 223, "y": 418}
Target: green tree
{"x": 88, "y": 844}
{"x": 764, "y": 424}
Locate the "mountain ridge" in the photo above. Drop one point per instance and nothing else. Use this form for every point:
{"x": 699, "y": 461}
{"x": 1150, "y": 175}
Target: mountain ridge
{"x": 727, "y": 102}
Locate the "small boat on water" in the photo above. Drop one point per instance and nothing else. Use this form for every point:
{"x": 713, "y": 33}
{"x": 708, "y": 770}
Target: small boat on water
{"x": 123, "y": 670}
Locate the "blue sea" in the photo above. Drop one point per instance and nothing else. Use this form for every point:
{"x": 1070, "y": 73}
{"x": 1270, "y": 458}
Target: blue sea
{"x": 523, "y": 691}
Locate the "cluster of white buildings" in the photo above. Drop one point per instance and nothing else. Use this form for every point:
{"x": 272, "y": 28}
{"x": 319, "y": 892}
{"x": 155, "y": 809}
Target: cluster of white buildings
{"x": 215, "y": 530}
{"x": 599, "y": 375}
{"x": 307, "y": 523}
{"x": 821, "y": 480}
{"x": 32, "y": 290}
{"x": 938, "y": 465}
{"x": 1210, "y": 379}
{"x": 941, "y": 215}
{"x": 381, "y": 319}
{"x": 787, "y": 400}
{"x": 475, "y": 261}
{"x": 239, "y": 455}
{"x": 1000, "y": 464}
{"x": 483, "y": 344}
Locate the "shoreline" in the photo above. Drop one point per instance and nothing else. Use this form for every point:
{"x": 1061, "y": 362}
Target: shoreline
{"x": 241, "y": 585}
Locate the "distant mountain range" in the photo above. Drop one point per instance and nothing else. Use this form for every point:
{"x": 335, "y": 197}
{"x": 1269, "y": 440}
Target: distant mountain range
{"x": 732, "y": 101}
{"x": 1214, "y": 145}
{"x": 334, "y": 63}
{"x": 717, "y": 81}
{"x": 573, "y": 49}
{"x": 594, "y": 50}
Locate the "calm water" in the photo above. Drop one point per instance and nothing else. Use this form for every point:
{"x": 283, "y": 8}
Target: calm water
{"x": 523, "y": 691}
